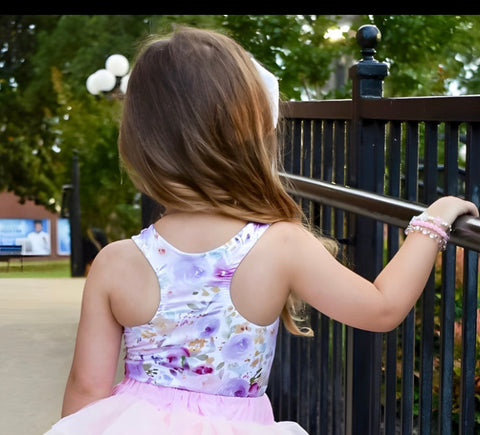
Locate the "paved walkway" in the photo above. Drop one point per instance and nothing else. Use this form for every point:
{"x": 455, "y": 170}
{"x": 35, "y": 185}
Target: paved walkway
{"x": 38, "y": 321}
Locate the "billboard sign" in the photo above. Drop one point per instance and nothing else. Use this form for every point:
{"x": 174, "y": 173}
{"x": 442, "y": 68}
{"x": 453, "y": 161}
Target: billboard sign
{"x": 33, "y": 235}
{"x": 63, "y": 236}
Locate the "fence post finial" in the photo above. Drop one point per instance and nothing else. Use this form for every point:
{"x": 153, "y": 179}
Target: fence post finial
{"x": 368, "y": 37}
{"x": 368, "y": 74}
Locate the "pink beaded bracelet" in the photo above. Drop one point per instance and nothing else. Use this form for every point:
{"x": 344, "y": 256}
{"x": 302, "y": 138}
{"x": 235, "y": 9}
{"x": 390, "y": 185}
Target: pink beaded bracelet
{"x": 436, "y": 220}
{"x": 431, "y": 227}
{"x": 425, "y": 224}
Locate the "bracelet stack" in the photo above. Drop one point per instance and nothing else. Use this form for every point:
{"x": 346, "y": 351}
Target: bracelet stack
{"x": 432, "y": 227}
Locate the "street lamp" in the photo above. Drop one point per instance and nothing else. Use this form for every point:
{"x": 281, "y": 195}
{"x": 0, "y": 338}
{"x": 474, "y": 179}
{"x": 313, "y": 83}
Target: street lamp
{"x": 115, "y": 74}
{"x": 107, "y": 80}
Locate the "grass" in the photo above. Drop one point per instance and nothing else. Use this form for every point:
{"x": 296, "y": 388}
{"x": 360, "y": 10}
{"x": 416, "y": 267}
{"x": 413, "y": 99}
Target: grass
{"x": 35, "y": 269}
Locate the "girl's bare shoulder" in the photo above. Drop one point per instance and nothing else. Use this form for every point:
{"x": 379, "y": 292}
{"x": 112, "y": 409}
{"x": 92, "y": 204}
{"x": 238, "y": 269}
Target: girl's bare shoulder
{"x": 117, "y": 262}
{"x": 119, "y": 250}
{"x": 292, "y": 243}
{"x": 123, "y": 272}
{"x": 290, "y": 233}
{"x": 281, "y": 243}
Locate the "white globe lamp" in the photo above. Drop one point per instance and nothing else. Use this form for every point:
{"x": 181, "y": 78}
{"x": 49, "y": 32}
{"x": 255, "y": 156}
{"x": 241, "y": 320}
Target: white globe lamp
{"x": 124, "y": 83}
{"x": 101, "y": 81}
{"x": 117, "y": 64}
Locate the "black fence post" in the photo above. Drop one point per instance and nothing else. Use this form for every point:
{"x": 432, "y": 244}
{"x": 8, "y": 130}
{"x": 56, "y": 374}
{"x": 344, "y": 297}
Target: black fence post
{"x": 365, "y": 170}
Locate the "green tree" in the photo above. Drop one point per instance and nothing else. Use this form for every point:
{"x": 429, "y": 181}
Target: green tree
{"x": 26, "y": 165}
{"x": 300, "y": 57}
{"x": 427, "y": 53}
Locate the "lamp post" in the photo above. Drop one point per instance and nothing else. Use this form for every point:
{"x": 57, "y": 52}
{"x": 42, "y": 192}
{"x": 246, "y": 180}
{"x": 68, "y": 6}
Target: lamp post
{"x": 76, "y": 249}
{"x": 114, "y": 75}
{"x": 112, "y": 80}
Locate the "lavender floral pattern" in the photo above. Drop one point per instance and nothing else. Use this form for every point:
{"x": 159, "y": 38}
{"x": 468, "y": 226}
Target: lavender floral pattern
{"x": 197, "y": 340}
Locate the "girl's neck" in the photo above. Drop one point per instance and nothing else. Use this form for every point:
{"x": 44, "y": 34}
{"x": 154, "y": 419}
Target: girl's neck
{"x": 197, "y": 231}
{"x": 178, "y": 212}
{"x": 197, "y": 215}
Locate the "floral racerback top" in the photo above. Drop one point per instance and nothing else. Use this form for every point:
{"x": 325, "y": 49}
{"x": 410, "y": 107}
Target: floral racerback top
{"x": 197, "y": 340}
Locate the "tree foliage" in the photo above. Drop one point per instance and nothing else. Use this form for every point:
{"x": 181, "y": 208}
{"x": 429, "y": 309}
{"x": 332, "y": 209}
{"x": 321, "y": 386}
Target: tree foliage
{"x": 427, "y": 53}
{"x": 46, "y": 113}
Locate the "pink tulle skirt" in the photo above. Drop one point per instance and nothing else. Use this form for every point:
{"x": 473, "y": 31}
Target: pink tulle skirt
{"x": 136, "y": 408}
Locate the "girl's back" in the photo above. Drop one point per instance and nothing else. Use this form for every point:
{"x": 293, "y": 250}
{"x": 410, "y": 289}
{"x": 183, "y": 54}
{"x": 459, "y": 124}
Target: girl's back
{"x": 258, "y": 289}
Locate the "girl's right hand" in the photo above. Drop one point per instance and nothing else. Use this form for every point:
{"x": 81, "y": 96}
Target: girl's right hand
{"x": 449, "y": 208}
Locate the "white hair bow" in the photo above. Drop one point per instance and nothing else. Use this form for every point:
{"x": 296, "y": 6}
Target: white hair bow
{"x": 271, "y": 84}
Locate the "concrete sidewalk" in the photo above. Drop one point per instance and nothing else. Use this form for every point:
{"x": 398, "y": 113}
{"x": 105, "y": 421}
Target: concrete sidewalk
{"x": 38, "y": 322}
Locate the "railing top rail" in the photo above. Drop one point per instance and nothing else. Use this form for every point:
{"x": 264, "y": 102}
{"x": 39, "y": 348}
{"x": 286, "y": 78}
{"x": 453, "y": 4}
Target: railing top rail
{"x": 322, "y": 109}
{"x": 466, "y": 229}
{"x": 465, "y": 108}
{"x": 440, "y": 109}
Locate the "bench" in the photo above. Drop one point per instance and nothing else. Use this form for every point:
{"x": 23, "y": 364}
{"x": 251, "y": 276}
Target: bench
{"x": 11, "y": 251}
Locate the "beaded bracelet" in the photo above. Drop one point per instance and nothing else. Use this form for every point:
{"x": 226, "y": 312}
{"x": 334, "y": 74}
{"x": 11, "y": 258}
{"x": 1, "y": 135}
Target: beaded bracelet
{"x": 431, "y": 227}
{"x": 436, "y": 220}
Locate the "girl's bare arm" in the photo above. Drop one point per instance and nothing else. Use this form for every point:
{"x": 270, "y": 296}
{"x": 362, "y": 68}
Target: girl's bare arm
{"x": 319, "y": 279}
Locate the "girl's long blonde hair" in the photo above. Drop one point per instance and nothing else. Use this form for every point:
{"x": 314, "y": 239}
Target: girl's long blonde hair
{"x": 197, "y": 132}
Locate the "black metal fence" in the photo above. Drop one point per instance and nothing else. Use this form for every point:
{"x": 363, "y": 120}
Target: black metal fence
{"x": 361, "y": 168}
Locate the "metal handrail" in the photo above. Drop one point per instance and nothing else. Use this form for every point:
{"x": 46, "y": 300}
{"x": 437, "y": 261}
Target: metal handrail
{"x": 394, "y": 211}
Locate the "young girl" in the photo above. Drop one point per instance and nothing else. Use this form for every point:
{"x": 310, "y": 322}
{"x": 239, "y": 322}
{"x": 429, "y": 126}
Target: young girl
{"x": 198, "y": 295}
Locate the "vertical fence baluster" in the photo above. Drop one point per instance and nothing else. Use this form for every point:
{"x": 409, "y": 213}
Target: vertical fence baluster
{"x": 306, "y": 162}
{"x": 430, "y": 187}
{"x": 470, "y": 298}
{"x": 325, "y": 322}
{"x": 337, "y": 401}
{"x": 447, "y": 318}
{"x": 394, "y": 188}
{"x": 327, "y": 166}
{"x": 408, "y": 326}
{"x": 469, "y": 337}
{"x": 317, "y": 128}
{"x": 295, "y": 399}
{"x": 315, "y": 380}
{"x": 312, "y": 398}
{"x": 304, "y": 345}
{"x": 297, "y": 149}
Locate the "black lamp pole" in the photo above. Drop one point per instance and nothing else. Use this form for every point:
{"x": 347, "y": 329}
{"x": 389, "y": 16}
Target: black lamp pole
{"x": 76, "y": 254}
